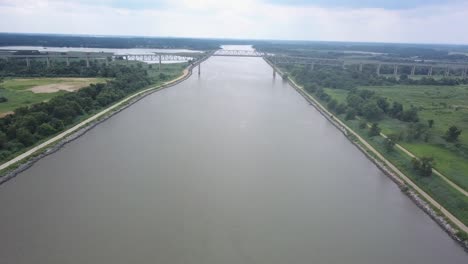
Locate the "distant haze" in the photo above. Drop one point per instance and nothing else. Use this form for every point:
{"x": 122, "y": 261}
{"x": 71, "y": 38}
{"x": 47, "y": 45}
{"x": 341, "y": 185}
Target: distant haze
{"x": 415, "y": 21}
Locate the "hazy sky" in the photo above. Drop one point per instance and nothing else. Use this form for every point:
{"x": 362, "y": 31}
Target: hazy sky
{"x": 421, "y": 21}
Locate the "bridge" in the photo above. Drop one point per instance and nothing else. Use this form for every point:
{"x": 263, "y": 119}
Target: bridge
{"x": 239, "y": 53}
{"x": 412, "y": 67}
{"x": 104, "y": 56}
{"x": 415, "y": 67}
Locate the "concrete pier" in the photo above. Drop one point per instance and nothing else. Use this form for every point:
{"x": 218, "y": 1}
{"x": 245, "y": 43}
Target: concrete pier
{"x": 413, "y": 70}
{"x": 395, "y": 70}
{"x": 159, "y": 57}
{"x": 360, "y": 67}
{"x": 429, "y": 73}
{"x": 68, "y": 61}
{"x": 87, "y": 61}
{"x": 378, "y": 69}
{"x": 28, "y": 63}
{"x": 48, "y": 62}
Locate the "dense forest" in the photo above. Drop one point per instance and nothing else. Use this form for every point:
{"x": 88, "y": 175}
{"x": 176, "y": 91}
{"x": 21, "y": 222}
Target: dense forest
{"x": 28, "y": 125}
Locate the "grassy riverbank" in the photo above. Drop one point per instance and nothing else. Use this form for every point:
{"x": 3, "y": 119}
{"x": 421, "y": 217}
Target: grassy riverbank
{"x": 446, "y": 106}
{"x": 452, "y": 200}
{"x": 446, "y": 195}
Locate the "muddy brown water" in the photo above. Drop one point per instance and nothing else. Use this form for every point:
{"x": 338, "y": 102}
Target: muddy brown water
{"x": 233, "y": 166}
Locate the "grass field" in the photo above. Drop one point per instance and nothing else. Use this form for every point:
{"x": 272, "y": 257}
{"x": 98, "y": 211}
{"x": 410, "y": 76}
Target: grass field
{"x": 447, "y": 106}
{"x": 447, "y": 160}
{"x": 23, "y": 91}
{"x": 436, "y": 187}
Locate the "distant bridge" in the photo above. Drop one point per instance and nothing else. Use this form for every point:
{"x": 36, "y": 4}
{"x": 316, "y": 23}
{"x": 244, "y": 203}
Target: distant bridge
{"x": 414, "y": 68}
{"x": 239, "y": 53}
{"x": 447, "y": 68}
{"x": 105, "y": 56}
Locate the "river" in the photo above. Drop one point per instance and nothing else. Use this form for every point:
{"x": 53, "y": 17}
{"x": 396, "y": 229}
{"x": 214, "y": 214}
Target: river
{"x": 232, "y": 166}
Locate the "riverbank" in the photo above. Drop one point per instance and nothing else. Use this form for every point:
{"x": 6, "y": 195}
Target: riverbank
{"x": 25, "y": 160}
{"x": 423, "y": 200}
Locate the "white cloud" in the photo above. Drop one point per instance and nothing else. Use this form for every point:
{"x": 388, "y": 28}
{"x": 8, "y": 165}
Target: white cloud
{"x": 239, "y": 19}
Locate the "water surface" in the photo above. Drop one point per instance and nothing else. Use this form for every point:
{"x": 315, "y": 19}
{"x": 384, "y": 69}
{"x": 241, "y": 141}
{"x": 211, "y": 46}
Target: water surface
{"x": 229, "y": 167}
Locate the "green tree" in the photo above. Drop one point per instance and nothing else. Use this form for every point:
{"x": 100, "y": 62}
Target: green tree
{"x": 374, "y": 130}
{"x": 383, "y": 104}
{"x": 416, "y": 130}
{"x": 351, "y": 114}
{"x": 25, "y": 137}
{"x": 3, "y": 140}
{"x": 371, "y": 111}
{"x": 340, "y": 108}
{"x": 45, "y": 129}
{"x": 396, "y": 110}
{"x": 410, "y": 115}
{"x": 389, "y": 144}
{"x": 423, "y": 166}
{"x": 332, "y": 104}
{"x": 452, "y": 134}
{"x": 363, "y": 124}
{"x": 430, "y": 123}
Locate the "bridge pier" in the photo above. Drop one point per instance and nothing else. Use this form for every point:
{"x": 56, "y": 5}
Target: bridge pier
{"x": 447, "y": 72}
{"x": 199, "y": 68}
{"x": 413, "y": 70}
{"x": 28, "y": 63}
{"x": 68, "y": 61}
{"x": 360, "y": 67}
{"x": 378, "y": 69}
{"x": 429, "y": 73}
{"x": 160, "y": 63}
{"x": 274, "y": 73}
{"x": 395, "y": 70}
{"x": 464, "y": 73}
{"x": 87, "y": 61}
{"x": 48, "y": 62}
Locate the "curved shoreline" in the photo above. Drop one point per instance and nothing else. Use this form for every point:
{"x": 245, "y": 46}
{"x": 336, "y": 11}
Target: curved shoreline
{"x": 389, "y": 170}
{"x": 27, "y": 159}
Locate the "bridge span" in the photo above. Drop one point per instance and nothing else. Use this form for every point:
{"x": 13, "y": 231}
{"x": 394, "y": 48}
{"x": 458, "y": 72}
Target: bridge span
{"x": 101, "y": 56}
{"x": 411, "y": 67}
{"x": 415, "y": 68}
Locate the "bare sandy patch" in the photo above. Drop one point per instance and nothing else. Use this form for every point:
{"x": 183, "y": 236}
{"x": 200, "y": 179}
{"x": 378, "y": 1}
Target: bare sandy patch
{"x": 55, "y": 87}
{"x": 6, "y": 113}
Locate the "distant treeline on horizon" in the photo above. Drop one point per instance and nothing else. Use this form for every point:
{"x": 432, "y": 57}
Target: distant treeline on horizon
{"x": 422, "y": 51}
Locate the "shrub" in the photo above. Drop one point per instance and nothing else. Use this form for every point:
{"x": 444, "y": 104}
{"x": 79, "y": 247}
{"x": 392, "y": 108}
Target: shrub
{"x": 374, "y": 130}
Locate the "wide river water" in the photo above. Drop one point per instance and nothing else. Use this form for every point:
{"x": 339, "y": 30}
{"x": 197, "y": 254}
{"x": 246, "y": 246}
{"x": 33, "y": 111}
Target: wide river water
{"x": 232, "y": 166}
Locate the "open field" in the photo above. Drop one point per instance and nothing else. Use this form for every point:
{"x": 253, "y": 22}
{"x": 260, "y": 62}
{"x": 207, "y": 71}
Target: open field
{"x": 27, "y": 91}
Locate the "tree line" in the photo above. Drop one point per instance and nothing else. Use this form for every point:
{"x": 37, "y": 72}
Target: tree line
{"x": 29, "y": 125}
